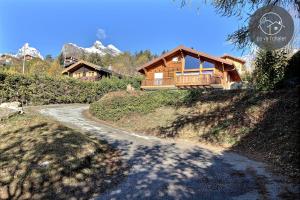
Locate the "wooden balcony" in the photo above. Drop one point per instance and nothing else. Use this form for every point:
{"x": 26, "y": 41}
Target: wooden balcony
{"x": 184, "y": 81}
{"x": 197, "y": 80}
{"x": 158, "y": 83}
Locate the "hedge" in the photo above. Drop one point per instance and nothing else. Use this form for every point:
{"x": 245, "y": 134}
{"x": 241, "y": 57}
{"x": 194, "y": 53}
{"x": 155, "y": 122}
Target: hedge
{"x": 40, "y": 90}
{"x": 115, "y": 107}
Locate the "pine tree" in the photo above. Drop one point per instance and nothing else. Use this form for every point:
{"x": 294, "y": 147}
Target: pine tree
{"x": 269, "y": 68}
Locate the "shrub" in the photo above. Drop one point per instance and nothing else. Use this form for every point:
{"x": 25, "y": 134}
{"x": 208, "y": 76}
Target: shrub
{"x": 114, "y": 108}
{"x": 270, "y": 67}
{"x": 39, "y": 90}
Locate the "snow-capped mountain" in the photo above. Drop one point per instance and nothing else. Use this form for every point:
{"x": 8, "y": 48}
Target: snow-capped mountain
{"x": 73, "y": 50}
{"x": 27, "y": 50}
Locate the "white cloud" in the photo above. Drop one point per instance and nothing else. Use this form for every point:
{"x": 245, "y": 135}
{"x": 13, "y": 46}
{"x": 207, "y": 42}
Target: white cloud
{"x": 101, "y": 34}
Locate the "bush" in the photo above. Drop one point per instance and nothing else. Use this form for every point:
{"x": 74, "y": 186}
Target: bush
{"x": 270, "y": 67}
{"x": 39, "y": 90}
{"x": 114, "y": 108}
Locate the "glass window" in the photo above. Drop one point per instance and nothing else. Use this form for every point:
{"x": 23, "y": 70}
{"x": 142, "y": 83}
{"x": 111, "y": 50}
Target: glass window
{"x": 191, "y": 62}
{"x": 208, "y": 65}
{"x": 175, "y": 59}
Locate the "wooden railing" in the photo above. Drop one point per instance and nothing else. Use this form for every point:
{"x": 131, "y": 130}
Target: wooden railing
{"x": 184, "y": 80}
{"x": 203, "y": 79}
{"x": 158, "y": 82}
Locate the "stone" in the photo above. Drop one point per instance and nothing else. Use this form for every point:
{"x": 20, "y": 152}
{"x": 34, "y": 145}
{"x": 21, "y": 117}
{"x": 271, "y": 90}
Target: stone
{"x": 11, "y": 105}
{"x": 130, "y": 88}
{"x": 10, "y": 109}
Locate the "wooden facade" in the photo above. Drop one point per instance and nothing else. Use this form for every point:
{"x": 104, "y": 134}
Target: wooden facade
{"x": 88, "y": 71}
{"x": 187, "y": 68}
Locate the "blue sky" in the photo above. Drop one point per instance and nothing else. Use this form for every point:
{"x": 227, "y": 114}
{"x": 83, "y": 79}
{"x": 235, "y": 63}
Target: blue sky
{"x": 131, "y": 25}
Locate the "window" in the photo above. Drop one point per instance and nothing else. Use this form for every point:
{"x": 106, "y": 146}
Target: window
{"x": 91, "y": 73}
{"x": 78, "y": 74}
{"x": 158, "y": 78}
{"x": 175, "y": 59}
{"x": 191, "y": 62}
{"x": 208, "y": 65}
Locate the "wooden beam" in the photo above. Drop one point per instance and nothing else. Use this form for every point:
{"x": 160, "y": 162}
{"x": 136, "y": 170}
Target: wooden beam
{"x": 201, "y": 65}
{"x": 165, "y": 62}
{"x": 215, "y": 64}
{"x": 145, "y": 71}
{"x": 182, "y": 62}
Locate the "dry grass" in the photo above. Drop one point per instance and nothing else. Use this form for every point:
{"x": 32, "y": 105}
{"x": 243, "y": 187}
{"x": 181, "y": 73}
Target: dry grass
{"x": 41, "y": 159}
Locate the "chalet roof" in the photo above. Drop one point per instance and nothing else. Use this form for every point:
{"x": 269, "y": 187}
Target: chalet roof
{"x": 188, "y": 50}
{"x": 92, "y": 65}
{"x": 233, "y": 58}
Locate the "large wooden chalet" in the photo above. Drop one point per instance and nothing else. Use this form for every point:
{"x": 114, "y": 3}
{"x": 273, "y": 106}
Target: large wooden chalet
{"x": 88, "y": 71}
{"x": 187, "y": 68}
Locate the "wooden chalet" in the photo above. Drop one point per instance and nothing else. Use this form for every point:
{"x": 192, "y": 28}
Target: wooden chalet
{"x": 187, "y": 68}
{"x": 88, "y": 71}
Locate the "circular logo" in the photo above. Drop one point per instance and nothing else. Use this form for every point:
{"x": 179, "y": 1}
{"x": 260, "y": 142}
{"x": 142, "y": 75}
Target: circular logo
{"x": 271, "y": 27}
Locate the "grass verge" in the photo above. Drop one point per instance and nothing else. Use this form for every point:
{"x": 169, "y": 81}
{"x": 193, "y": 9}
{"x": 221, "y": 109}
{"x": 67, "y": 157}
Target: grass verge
{"x": 41, "y": 159}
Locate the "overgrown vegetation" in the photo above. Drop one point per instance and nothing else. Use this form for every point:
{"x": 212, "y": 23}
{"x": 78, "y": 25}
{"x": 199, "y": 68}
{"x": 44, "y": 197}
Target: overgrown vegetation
{"x": 41, "y": 159}
{"x": 43, "y": 89}
{"x": 250, "y": 121}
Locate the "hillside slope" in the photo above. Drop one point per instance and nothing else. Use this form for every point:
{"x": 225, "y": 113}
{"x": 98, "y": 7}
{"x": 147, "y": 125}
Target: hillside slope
{"x": 262, "y": 125}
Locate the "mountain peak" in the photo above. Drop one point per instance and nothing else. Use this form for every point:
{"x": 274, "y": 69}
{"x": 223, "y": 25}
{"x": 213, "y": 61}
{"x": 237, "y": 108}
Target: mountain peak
{"x": 76, "y": 51}
{"x": 27, "y": 50}
{"x": 98, "y": 45}
{"x": 26, "y": 45}
{"x": 97, "y": 42}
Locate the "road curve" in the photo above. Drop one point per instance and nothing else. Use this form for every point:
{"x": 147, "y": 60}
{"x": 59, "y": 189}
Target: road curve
{"x": 164, "y": 169}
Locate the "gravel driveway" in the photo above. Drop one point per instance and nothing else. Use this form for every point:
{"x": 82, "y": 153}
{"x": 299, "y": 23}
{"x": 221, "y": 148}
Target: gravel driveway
{"x": 166, "y": 169}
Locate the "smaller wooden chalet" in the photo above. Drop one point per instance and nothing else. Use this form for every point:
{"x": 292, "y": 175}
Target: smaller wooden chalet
{"x": 187, "y": 68}
{"x": 88, "y": 71}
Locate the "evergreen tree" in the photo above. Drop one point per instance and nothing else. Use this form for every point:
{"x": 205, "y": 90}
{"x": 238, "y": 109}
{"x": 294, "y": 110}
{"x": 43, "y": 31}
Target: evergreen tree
{"x": 48, "y": 58}
{"x": 243, "y": 9}
{"x": 269, "y": 68}
{"x": 61, "y": 59}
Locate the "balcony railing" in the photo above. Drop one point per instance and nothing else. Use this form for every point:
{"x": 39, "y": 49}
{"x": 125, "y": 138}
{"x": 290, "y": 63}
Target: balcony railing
{"x": 158, "y": 82}
{"x": 203, "y": 79}
{"x": 184, "y": 80}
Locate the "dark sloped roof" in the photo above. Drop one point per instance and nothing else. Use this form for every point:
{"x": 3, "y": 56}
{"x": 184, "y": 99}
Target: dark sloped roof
{"x": 96, "y": 67}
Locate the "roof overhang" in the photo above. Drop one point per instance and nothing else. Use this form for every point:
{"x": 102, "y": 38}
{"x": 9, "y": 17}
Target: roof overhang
{"x": 78, "y": 64}
{"x": 234, "y": 58}
{"x": 190, "y": 51}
